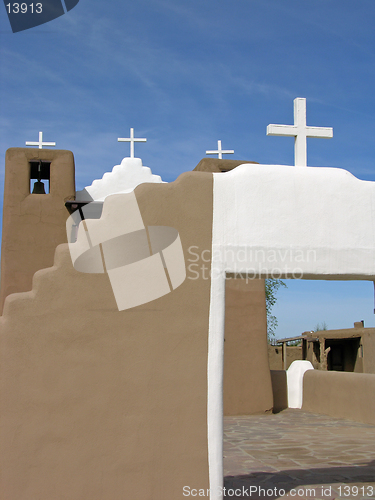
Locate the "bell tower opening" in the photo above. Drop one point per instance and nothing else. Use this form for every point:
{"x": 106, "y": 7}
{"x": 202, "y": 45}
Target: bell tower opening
{"x": 39, "y": 176}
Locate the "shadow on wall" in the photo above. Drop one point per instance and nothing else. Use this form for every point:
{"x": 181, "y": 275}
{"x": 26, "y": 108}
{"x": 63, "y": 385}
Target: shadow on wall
{"x": 279, "y": 390}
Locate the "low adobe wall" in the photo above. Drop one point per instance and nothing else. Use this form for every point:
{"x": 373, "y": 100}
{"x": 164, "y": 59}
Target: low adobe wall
{"x": 340, "y": 395}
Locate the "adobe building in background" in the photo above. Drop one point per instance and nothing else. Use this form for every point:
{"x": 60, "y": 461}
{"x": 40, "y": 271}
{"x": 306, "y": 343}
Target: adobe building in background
{"x": 345, "y": 350}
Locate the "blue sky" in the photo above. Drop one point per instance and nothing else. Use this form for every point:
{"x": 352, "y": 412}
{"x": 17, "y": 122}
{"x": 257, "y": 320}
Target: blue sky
{"x": 187, "y": 73}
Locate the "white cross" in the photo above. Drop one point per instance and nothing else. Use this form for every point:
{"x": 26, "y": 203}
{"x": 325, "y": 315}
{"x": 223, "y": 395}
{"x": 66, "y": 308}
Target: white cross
{"x": 40, "y": 143}
{"x": 220, "y": 151}
{"x": 300, "y": 131}
{"x": 132, "y": 140}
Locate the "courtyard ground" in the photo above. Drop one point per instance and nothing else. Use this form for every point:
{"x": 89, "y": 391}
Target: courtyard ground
{"x": 295, "y": 454}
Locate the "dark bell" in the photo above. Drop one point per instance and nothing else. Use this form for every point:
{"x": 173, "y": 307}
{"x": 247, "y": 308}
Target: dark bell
{"x": 38, "y": 188}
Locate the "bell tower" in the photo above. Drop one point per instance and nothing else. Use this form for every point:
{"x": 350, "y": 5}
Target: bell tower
{"x": 37, "y": 184}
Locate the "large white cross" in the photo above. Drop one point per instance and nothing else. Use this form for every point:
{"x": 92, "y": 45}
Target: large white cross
{"x": 220, "y": 151}
{"x": 132, "y": 140}
{"x": 300, "y": 131}
{"x": 40, "y": 143}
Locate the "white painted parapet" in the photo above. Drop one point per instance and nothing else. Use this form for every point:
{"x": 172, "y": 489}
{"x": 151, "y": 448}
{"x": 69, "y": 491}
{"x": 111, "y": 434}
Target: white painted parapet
{"x": 280, "y": 221}
{"x": 294, "y": 378}
{"x": 124, "y": 178}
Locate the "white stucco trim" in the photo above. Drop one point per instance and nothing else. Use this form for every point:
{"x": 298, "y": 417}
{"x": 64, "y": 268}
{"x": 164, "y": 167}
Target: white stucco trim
{"x": 215, "y": 368}
{"x": 294, "y": 378}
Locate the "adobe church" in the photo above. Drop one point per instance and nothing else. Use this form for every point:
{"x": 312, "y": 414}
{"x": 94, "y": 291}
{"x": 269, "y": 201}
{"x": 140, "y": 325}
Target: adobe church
{"x": 117, "y": 361}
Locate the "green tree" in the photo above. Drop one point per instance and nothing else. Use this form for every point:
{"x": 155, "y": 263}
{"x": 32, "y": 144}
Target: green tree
{"x": 272, "y": 286}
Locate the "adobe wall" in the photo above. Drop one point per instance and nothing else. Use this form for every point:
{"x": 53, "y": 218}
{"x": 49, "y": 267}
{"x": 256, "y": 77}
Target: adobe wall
{"x": 279, "y": 390}
{"x": 247, "y": 385}
{"x": 33, "y": 224}
{"x": 105, "y": 404}
{"x": 368, "y": 342}
{"x": 219, "y": 165}
{"x": 340, "y": 395}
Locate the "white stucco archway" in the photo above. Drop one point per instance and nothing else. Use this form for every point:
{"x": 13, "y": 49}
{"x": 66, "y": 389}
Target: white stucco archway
{"x": 281, "y": 222}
